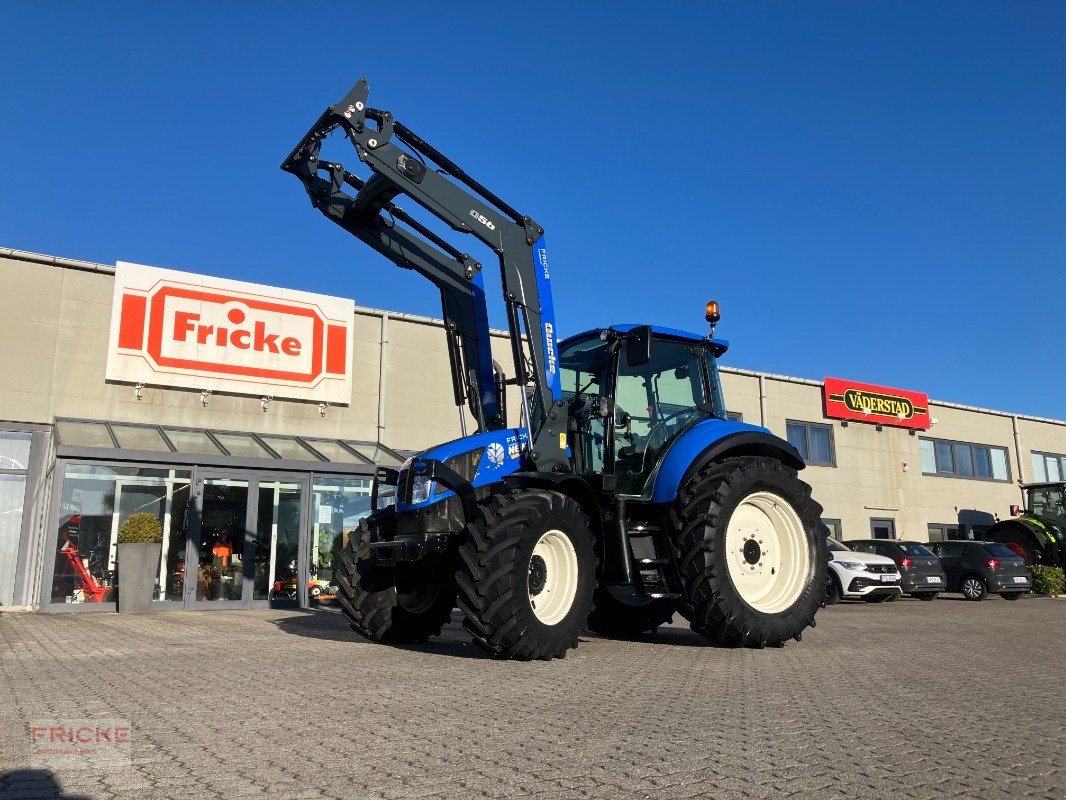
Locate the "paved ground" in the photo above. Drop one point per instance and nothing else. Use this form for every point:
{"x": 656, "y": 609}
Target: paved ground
{"x": 906, "y": 700}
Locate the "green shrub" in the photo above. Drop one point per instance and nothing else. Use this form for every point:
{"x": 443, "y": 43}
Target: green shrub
{"x": 140, "y": 528}
{"x": 1047, "y": 580}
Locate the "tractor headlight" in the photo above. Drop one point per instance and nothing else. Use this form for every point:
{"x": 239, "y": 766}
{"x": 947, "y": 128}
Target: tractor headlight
{"x": 421, "y": 488}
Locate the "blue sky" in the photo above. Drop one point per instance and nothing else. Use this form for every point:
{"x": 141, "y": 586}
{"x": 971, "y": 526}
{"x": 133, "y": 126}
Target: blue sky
{"x": 873, "y": 191}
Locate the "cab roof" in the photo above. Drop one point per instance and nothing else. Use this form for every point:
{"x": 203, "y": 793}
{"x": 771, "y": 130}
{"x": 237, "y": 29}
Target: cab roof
{"x": 719, "y": 345}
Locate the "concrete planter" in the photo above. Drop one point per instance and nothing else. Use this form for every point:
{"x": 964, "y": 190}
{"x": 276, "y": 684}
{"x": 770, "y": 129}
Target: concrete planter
{"x": 138, "y": 564}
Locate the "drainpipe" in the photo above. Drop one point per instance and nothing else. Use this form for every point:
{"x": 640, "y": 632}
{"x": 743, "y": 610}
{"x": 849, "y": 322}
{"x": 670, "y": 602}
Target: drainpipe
{"x": 383, "y": 362}
{"x": 1018, "y": 447}
{"x": 762, "y": 400}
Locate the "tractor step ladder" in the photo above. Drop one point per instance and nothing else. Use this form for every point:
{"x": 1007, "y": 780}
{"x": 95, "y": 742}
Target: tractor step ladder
{"x": 653, "y": 575}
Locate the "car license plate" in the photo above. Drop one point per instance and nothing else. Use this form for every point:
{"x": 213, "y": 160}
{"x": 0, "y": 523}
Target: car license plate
{"x": 1020, "y": 579}
{"x": 888, "y": 578}
{"x": 932, "y": 579}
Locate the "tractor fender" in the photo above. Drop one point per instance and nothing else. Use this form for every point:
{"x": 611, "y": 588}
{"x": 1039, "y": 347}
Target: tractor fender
{"x": 714, "y": 440}
{"x": 570, "y": 485}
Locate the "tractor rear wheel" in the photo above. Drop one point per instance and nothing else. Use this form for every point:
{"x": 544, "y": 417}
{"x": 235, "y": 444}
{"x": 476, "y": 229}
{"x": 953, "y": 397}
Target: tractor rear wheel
{"x": 750, "y": 547}
{"x": 392, "y": 604}
{"x": 526, "y": 574}
{"x": 612, "y": 616}
{"x": 1019, "y": 539}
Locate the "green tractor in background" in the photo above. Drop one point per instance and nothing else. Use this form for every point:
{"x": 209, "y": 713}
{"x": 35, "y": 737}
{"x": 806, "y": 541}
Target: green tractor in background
{"x": 1037, "y": 533}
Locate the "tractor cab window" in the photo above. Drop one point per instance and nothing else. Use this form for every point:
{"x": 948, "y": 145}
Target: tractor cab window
{"x": 654, "y": 403}
{"x": 1048, "y": 502}
{"x": 582, "y": 370}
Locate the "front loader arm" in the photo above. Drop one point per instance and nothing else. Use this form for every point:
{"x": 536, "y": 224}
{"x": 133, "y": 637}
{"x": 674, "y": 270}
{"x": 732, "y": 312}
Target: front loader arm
{"x": 468, "y": 208}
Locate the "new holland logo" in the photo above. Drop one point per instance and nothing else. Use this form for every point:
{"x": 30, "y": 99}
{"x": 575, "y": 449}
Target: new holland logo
{"x": 884, "y": 405}
{"x": 495, "y": 453}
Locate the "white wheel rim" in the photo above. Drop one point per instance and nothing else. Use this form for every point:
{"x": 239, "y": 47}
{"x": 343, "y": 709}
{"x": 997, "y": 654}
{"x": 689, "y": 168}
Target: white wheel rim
{"x": 767, "y": 554}
{"x": 552, "y": 583}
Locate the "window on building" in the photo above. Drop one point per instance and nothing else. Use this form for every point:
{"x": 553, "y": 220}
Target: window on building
{"x": 734, "y": 416}
{"x": 882, "y": 528}
{"x": 964, "y": 460}
{"x": 1048, "y": 467}
{"x": 813, "y": 441}
{"x": 940, "y": 532}
{"x": 836, "y": 530}
{"x": 14, "y": 465}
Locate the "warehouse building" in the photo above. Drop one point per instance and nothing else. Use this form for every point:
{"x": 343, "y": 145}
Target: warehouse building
{"x": 248, "y": 421}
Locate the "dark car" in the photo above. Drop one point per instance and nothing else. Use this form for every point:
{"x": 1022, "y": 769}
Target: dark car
{"x": 921, "y": 574}
{"x": 977, "y": 568}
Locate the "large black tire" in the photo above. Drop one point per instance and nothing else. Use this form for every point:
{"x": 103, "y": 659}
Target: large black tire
{"x": 613, "y": 617}
{"x": 392, "y": 604}
{"x": 500, "y": 578}
{"x": 713, "y": 603}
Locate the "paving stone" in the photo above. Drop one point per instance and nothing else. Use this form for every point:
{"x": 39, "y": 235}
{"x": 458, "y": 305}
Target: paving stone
{"x": 907, "y": 700}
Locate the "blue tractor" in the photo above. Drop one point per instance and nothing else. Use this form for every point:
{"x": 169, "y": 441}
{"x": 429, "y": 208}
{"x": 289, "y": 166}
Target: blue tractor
{"x": 623, "y": 495}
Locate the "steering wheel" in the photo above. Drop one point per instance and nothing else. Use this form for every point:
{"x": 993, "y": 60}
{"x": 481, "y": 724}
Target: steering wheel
{"x": 650, "y": 441}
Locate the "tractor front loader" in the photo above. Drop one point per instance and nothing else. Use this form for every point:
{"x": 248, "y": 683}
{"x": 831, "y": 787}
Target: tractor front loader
{"x": 620, "y": 496}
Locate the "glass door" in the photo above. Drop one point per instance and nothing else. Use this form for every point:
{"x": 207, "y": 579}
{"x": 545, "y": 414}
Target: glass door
{"x": 276, "y": 548}
{"x": 245, "y": 541}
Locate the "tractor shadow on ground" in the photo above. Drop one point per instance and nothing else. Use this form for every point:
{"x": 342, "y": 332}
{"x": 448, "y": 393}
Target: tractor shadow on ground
{"x": 34, "y": 783}
{"x": 329, "y": 624}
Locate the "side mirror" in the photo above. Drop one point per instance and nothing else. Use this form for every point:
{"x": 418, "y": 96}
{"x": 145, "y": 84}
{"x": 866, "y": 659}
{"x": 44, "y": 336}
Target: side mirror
{"x": 638, "y": 346}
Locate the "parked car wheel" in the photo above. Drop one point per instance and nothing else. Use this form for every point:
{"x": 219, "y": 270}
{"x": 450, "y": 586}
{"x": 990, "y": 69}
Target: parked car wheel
{"x": 832, "y": 590}
{"x": 1012, "y": 595}
{"x": 973, "y": 588}
{"x": 925, "y": 595}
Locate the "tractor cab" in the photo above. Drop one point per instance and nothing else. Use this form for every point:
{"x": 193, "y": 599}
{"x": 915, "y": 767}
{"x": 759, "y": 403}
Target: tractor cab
{"x": 631, "y": 391}
{"x": 1048, "y": 501}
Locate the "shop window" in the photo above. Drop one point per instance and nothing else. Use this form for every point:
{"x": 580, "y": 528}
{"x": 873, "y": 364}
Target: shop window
{"x": 337, "y": 505}
{"x": 1048, "y": 467}
{"x": 94, "y": 502}
{"x": 14, "y": 463}
{"x": 813, "y": 441}
{"x": 964, "y": 460}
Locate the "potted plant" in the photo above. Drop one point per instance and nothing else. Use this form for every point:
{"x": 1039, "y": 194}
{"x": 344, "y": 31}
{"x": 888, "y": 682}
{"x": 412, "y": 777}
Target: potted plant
{"x": 138, "y": 562}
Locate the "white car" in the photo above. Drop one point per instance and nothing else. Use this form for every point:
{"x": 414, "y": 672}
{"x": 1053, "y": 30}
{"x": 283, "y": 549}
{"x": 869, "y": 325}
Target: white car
{"x": 856, "y": 575}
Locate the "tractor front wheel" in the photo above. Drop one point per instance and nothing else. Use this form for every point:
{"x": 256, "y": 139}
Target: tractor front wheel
{"x": 392, "y": 604}
{"x": 526, "y": 574}
{"x": 751, "y": 551}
